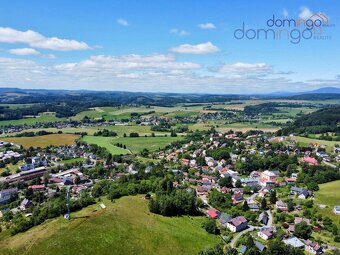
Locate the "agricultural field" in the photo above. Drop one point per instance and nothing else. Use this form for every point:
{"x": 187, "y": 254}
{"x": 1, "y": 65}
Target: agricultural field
{"x": 136, "y": 144}
{"x": 41, "y": 118}
{"x": 133, "y": 144}
{"x": 123, "y": 227}
{"x": 106, "y": 142}
{"x": 238, "y": 126}
{"x": 43, "y": 141}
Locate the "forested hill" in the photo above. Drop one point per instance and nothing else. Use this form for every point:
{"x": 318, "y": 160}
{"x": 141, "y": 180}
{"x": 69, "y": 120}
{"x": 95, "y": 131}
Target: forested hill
{"x": 321, "y": 121}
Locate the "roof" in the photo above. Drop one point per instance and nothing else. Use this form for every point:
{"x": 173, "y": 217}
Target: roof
{"x": 259, "y": 246}
{"x": 238, "y": 221}
{"x": 213, "y": 213}
{"x": 243, "y": 249}
{"x": 293, "y": 241}
{"x": 224, "y": 218}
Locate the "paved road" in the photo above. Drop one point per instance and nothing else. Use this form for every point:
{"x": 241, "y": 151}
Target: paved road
{"x": 270, "y": 219}
{"x": 329, "y": 164}
{"x": 234, "y": 240}
{"x": 251, "y": 199}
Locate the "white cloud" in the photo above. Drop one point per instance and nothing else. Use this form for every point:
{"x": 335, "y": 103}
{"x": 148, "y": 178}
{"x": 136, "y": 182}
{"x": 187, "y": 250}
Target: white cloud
{"x": 207, "y": 25}
{"x": 36, "y": 40}
{"x": 245, "y": 68}
{"x": 202, "y": 48}
{"x": 179, "y": 32}
{"x": 129, "y": 63}
{"x": 123, "y": 22}
{"x": 285, "y": 13}
{"x": 24, "y": 51}
{"x": 151, "y": 73}
{"x": 306, "y": 13}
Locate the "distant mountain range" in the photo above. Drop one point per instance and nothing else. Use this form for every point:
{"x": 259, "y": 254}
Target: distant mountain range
{"x": 324, "y": 90}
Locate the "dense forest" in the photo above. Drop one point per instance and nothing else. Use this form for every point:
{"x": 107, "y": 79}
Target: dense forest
{"x": 321, "y": 121}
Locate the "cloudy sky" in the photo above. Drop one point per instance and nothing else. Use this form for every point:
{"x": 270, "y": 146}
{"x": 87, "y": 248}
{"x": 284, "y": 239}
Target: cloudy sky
{"x": 205, "y": 46}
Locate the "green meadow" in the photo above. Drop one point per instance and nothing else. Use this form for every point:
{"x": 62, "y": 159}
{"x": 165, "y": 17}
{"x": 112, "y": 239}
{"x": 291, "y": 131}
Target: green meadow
{"x": 123, "y": 227}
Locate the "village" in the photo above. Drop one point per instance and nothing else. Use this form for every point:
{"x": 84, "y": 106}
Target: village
{"x": 249, "y": 184}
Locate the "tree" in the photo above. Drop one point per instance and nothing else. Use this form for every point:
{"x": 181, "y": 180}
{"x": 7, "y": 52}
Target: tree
{"x": 264, "y": 204}
{"x": 245, "y": 206}
{"x": 303, "y": 230}
{"x": 290, "y": 205}
{"x": 217, "y": 250}
{"x": 250, "y": 242}
{"x": 313, "y": 186}
{"x": 225, "y": 182}
{"x": 210, "y": 226}
{"x": 173, "y": 133}
{"x": 272, "y": 197}
{"x": 238, "y": 184}
{"x": 77, "y": 180}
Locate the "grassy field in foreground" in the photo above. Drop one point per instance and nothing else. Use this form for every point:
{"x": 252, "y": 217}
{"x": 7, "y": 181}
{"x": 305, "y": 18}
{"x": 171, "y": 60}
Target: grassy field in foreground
{"x": 329, "y": 195}
{"x": 124, "y": 227}
{"x": 106, "y": 142}
{"x": 304, "y": 141}
{"x": 43, "y": 141}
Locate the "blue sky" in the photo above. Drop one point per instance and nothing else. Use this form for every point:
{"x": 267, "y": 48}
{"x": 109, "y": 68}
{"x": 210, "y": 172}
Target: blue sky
{"x": 168, "y": 46}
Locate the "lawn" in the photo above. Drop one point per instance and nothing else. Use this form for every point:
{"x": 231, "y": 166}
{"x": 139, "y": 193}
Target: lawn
{"x": 328, "y": 195}
{"x": 124, "y": 227}
{"x": 43, "y": 141}
{"x": 71, "y": 161}
{"x": 106, "y": 142}
{"x": 304, "y": 141}
{"x": 133, "y": 144}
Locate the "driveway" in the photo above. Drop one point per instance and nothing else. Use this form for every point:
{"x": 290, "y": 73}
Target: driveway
{"x": 234, "y": 240}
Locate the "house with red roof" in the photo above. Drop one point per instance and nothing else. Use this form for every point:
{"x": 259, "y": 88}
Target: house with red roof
{"x": 213, "y": 213}
{"x": 309, "y": 160}
{"x": 36, "y": 188}
{"x": 237, "y": 198}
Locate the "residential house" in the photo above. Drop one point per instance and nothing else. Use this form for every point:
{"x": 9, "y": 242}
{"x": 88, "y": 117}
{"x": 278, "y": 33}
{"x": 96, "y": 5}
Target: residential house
{"x": 268, "y": 177}
{"x": 336, "y": 209}
{"x": 37, "y": 188}
{"x": 265, "y": 233}
{"x": 298, "y": 220}
{"x": 260, "y": 246}
{"x": 313, "y": 247}
{"x": 300, "y": 192}
{"x": 264, "y": 218}
{"x": 6, "y": 195}
{"x": 224, "y": 218}
{"x": 237, "y": 224}
{"x": 281, "y": 205}
{"x": 25, "y": 204}
{"x": 213, "y": 213}
{"x": 309, "y": 160}
{"x": 237, "y": 198}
